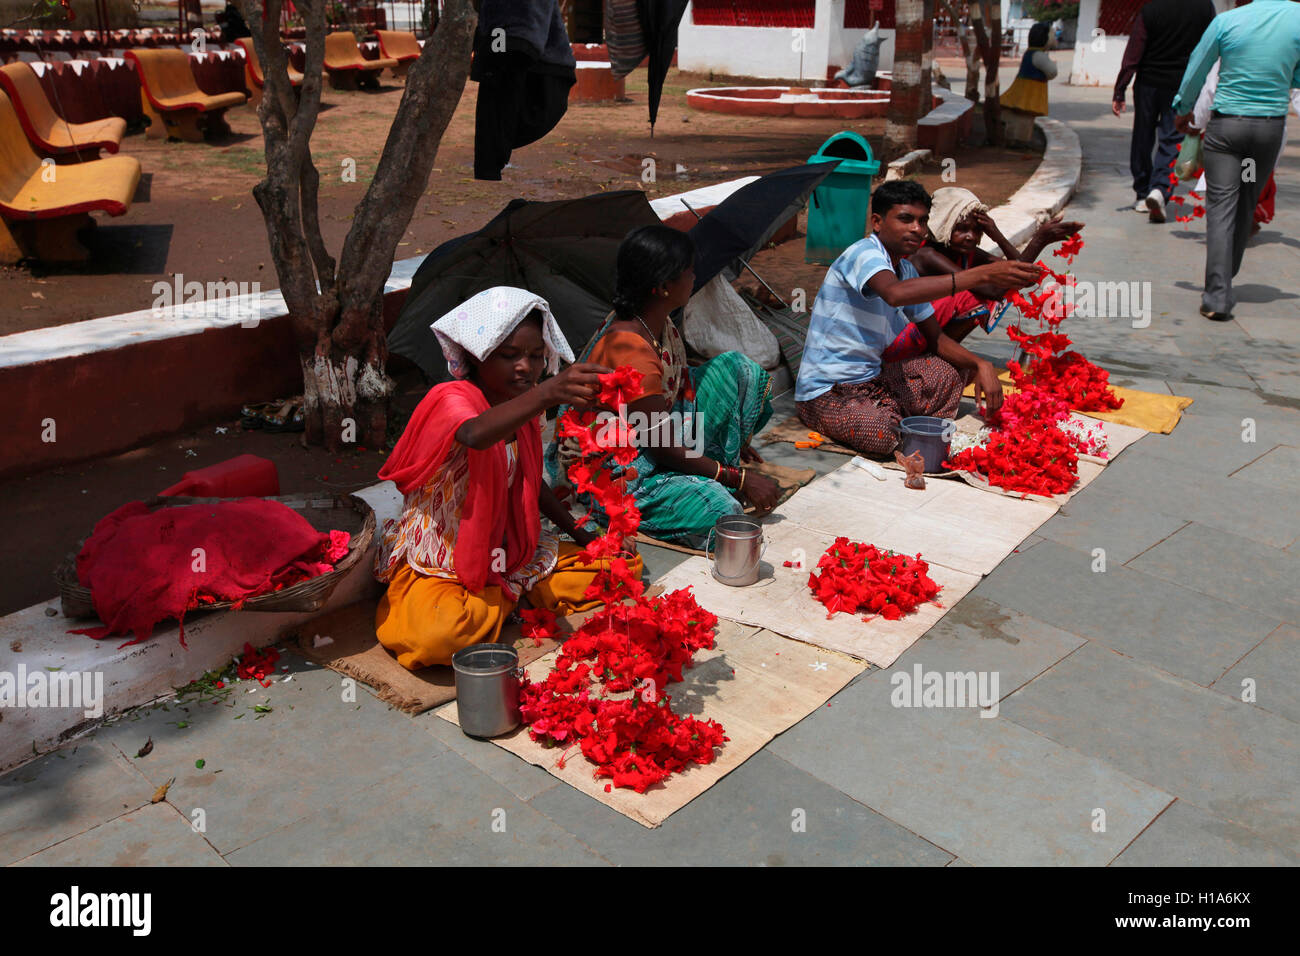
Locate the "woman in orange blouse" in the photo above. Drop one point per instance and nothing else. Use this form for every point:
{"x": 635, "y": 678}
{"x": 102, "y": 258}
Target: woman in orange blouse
{"x": 468, "y": 544}
{"x": 694, "y": 425}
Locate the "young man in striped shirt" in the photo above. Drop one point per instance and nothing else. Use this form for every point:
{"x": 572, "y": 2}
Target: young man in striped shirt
{"x": 870, "y": 294}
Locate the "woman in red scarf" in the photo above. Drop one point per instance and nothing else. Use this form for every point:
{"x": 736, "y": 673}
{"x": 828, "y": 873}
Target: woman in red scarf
{"x": 468, "y": 544}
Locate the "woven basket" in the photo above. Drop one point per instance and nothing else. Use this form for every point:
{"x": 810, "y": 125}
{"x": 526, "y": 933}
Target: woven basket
{"x": 324, "y": 513}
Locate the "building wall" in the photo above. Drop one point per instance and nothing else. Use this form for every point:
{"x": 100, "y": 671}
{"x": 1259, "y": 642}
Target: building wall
{"x": 1097, "y": 59}
{"x": 772, "y": 52}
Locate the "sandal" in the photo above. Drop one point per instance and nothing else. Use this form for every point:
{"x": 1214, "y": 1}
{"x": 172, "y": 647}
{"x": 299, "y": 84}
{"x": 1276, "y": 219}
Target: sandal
{"x": 254, "y": 415}
{"x": 288, "y": 417}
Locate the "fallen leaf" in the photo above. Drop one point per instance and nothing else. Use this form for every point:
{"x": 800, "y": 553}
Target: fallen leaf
{"x": 160, "y": 794}
{"x": 200, "y": 763}
{"x": 146, "y": 750}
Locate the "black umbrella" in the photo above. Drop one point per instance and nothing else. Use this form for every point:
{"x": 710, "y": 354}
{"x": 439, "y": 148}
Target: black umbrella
{"x": 659, "y": 19}
{"x": 742, "y": 223}
{"x": 564, "y": 251}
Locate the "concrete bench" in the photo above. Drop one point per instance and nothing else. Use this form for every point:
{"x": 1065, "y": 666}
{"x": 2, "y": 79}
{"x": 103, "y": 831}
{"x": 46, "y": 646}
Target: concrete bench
{"x": 44, "y": 206}
{"x": 48, "y": 132}
{"x": 172, "y": 100}
{"x": 399, "y": 46}
{"x": 347, "y": 68}
{"x": 944, "y": 127}
{"x": 255, "y": 79}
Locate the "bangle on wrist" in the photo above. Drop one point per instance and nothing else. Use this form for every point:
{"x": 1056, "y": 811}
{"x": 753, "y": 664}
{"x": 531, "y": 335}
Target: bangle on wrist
{"x": 954, "y": 283}
{"x": 741, "y": 486}
{"x": 718, "y": 470}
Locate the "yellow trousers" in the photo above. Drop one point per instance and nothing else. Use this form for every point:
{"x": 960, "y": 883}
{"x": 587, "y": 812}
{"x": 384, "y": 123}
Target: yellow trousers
{"x": 424, "y": 620}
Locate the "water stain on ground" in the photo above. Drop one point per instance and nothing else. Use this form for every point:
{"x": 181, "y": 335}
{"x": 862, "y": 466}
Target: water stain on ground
{"x": 986, "y": 619}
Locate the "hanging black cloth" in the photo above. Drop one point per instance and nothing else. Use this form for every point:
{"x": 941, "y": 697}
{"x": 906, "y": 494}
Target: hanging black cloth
{"x": 524, "y": 66}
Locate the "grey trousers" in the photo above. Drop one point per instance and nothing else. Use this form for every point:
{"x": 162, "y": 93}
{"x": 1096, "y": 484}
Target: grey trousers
{"x": 1232, "y": 187}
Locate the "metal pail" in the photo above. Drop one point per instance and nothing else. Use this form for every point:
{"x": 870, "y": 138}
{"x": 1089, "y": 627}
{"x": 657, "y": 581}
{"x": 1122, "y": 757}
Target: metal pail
{"x": 736, "y": 545}
{"x": 487, "y": 689}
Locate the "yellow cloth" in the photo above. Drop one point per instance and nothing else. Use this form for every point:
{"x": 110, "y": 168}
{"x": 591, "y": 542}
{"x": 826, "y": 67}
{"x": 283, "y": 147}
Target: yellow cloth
{"x": 424, "y": 620}
{"x": 1027, "y": 95}
{"x": 1150, "y": 411}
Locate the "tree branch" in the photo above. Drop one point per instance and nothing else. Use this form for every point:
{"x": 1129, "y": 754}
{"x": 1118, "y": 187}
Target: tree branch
{"x": 279, "y": 194}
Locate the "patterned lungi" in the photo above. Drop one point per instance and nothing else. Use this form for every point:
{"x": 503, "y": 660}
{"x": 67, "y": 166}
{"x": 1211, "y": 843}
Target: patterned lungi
{"x": 865, "y": 416}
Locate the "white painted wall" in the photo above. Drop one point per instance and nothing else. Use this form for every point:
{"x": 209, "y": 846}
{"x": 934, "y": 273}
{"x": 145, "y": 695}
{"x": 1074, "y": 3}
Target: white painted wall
{"x": 1097, "y": 59}
{"x": 402, "y": 16}
{"x": 772, "y": 52}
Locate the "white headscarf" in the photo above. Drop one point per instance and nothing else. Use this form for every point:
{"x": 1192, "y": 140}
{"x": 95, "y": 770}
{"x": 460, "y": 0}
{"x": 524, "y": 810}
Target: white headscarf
{"x": 476, "y": 327}
{"x": 949, "y": 206}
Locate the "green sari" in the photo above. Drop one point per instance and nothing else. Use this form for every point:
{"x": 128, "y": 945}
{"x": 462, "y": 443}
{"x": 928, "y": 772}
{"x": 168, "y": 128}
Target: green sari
{"x": 731, "y": 402}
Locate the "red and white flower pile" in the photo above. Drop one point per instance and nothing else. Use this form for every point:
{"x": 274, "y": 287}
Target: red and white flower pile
{"x": 605, "y": 694}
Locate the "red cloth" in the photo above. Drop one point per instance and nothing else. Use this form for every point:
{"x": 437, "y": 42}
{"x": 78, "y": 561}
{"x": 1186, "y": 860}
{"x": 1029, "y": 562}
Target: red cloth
{"x": 1264, "y": 206}
{"x": 141, "y": 566}
{"x": 911, "y": 342}
{"x": 492, "y": 513}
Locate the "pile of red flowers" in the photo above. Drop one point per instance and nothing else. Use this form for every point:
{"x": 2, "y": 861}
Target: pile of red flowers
{"x": 258, "y": 665}
{"x": 633, "y": 647}
{"x": 1032, "y": 458}
{"x": 860, "y": 577}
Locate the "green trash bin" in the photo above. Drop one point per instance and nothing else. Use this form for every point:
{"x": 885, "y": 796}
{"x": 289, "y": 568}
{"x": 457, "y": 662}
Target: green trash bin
{"x": 837, "y": 211}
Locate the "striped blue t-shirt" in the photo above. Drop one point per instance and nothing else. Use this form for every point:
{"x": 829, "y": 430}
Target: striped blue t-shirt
{"x": 850, "y": 324}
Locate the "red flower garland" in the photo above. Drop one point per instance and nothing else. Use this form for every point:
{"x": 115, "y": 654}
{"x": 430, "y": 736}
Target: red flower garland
{"x": 633, "y": 643}
{"x": 1027, "y": 452}
{"x": 860, "y": 577}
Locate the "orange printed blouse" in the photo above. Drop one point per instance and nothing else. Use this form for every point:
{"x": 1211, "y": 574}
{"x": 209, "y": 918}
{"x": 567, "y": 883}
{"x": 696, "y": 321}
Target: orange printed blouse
{"x": 424, "y": 534}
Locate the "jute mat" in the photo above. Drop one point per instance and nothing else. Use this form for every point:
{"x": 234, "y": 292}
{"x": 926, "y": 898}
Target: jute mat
{"x": 792, "y": 430}
{"x": 344, "y": 641}
{"x": 782, "y": 602}
{"x": 1149, "y": 411}
{"x": 755, "y": 683}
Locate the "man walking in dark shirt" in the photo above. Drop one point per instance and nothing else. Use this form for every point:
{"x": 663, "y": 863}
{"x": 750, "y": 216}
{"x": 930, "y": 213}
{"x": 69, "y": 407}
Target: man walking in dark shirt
{"x": 1163, "y": 35}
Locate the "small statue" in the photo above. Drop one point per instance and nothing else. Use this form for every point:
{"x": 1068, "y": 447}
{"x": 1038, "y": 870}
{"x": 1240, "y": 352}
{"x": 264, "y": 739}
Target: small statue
{"x": 866, "y": 58}
{"x": 914, "y": 465}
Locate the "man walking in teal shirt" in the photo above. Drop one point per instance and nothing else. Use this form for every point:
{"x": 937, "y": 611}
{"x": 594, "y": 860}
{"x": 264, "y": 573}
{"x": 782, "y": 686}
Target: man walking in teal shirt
{"x": 1258, "y": 48}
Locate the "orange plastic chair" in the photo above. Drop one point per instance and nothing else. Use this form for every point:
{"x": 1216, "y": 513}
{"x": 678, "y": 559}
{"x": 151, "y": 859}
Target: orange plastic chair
{"x": 400, "y": 46}
{"x": 172, "y": 100}
{"x": 50, "y": 133}
{"x": 43, "y": 206}
{"x": 254, "y": 78}
{"x": 347, "y": 67}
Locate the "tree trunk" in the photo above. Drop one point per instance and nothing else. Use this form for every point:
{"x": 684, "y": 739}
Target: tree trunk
{"x": 927, "y": 57}
{"x": 990, "y": 48}
{"x": 337, "y": 311}
{"x": 905, "y": 103}
{"x": 968, "y": 50}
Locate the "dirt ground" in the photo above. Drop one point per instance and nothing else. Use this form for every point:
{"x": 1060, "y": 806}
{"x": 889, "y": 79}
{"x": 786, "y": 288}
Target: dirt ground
{"x": 195, "y": 214}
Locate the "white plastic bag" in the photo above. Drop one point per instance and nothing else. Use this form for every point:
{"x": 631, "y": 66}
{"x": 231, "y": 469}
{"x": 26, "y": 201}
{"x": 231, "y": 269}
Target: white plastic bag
{"x": 718, "y": 320}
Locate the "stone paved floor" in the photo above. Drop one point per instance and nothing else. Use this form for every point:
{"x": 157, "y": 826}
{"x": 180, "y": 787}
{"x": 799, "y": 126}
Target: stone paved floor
{"x": 1121, "y": 692}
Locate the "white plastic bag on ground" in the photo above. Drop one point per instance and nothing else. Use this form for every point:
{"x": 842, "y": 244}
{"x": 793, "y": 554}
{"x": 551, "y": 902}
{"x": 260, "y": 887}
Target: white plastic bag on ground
{"x": 718, "y": 320}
